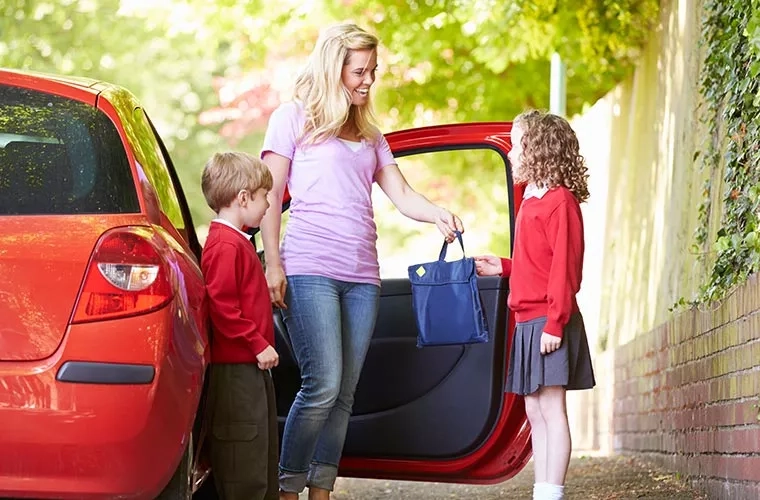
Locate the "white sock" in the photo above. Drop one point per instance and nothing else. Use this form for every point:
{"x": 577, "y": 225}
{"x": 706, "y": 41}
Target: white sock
{"x": 538, "y": 491}
{"x": 538, "y": 488}
{"x": 553, "y": 491}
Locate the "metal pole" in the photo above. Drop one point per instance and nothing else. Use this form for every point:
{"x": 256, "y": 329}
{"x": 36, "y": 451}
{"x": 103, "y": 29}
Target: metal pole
{"x": 558, "y": 86}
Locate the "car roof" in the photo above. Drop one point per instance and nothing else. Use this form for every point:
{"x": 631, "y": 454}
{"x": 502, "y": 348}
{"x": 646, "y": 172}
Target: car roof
{"x": 25, "y": 76}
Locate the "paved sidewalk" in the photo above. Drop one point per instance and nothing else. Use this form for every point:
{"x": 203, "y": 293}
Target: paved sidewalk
{"x": 593, "y": 478}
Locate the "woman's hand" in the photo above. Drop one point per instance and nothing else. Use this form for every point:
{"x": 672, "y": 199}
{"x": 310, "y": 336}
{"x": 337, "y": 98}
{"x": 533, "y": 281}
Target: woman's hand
{"x": 277, "y": 284}
{"x": 549, "y": 343}
{"x": 448, "y": 223}
{"x": 488, "y": 265}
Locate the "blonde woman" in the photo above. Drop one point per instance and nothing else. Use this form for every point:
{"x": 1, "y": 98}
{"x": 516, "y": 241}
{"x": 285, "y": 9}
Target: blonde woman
{"x": 325, "y": 278}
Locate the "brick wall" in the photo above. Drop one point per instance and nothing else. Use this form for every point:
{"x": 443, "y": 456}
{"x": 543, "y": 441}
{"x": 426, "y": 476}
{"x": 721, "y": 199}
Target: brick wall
{"x": 685, "y": 394}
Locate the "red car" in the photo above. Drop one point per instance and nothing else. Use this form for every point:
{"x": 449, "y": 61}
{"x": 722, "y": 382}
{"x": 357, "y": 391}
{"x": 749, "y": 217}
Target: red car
{"x": 104, "y": 340}
{"x": 103, "y": 343}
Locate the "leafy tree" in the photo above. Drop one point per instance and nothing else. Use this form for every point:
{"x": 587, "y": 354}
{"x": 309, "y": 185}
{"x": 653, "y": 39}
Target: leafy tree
{"x": 209, "y": 73}
{"x": 469, "y": 60}
{"x": 169, "y": 70}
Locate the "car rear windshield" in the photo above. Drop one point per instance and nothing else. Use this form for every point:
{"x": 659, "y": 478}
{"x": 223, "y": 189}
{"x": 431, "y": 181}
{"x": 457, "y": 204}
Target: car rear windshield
{"x": 60, "y": 156}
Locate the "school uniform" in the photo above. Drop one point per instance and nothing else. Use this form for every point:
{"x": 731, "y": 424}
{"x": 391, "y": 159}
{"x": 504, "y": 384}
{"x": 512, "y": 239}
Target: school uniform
{"x": 545, "y": 275}
{"x": 241, "y": 408}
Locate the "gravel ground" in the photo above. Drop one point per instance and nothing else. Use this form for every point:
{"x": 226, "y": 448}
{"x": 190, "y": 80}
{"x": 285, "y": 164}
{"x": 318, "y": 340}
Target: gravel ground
{"x": 600, "y": 478}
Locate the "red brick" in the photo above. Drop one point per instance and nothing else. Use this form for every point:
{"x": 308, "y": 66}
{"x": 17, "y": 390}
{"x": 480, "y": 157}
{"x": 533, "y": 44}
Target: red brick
{"x": 717, "y": 465}
{"x": 730, "y": 414}
{"x": 743, "y": 468}
{"x": 723, "y": 441}
{"x": 684, "y": 392}
{"x": 721, "y": 489}
{"x": 742, "y": 440}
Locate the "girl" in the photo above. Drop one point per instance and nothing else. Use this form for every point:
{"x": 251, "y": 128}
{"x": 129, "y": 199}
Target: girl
{"x": 550, "y": 352}
{"x": 326, "y": 278}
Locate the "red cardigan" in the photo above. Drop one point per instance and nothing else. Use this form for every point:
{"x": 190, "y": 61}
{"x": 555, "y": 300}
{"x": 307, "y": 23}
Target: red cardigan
{"x": 239, "y": 305}
{"x": 547, "y": 261}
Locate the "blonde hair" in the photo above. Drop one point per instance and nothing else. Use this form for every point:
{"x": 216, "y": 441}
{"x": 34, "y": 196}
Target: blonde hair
{"x": 226, "y": 174}
{"x": 319, "y": 86}
{"x": 551, "y": 154}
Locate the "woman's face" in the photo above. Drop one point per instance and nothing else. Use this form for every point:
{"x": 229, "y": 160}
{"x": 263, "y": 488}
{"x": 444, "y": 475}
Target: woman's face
{"x": 359, "y": 74}
{"x": 517, "y": 149}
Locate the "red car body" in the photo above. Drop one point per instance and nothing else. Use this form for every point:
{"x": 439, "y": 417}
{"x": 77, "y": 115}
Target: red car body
{"x": 104, "y": 342}
{"x": 100, "y": 385}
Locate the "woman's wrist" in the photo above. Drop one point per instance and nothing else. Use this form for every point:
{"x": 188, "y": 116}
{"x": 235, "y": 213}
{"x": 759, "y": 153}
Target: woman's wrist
{"x": 441, "y": 213}
{"x": 277, "y": 263}
{"x": 272, "y": 259}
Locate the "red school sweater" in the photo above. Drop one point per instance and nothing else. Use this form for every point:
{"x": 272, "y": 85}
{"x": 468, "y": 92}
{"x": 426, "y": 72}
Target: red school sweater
{"x": 239, "y": 305}
{"x": 547, "y": 260}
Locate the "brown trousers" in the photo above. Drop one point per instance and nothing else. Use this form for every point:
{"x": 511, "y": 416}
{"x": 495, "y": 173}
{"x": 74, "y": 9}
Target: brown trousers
{"x": 243, "y": 439}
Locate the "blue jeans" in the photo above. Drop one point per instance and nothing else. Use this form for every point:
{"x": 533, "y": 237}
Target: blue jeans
{"x": 330, "y": 324}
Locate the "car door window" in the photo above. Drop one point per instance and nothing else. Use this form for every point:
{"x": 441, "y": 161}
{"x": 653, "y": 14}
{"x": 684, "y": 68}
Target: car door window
{"x": 469, "y": 182}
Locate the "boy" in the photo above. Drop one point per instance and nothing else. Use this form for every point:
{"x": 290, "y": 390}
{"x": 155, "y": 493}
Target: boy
{"x": 243, "y": 415}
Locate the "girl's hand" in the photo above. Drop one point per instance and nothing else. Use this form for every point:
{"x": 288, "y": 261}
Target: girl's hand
{"x": 277, "y": 284}
{"x": 549, "y": 343}
{"x": 488, "y": 265}
{"x": 448, "y": 224}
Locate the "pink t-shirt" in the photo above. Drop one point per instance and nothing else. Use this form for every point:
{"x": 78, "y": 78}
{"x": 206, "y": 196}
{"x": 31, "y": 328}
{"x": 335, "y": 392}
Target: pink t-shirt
{"x": 331, "y": 231}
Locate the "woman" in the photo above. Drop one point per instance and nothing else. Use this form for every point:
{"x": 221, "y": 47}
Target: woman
{"x": 326, "y": 276}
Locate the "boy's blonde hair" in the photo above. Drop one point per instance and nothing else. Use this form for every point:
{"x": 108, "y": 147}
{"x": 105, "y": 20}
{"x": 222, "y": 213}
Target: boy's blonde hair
{"x": 226, "y": 174}
{"x": 551, "y": 154}
{"x": 320, "y": 88}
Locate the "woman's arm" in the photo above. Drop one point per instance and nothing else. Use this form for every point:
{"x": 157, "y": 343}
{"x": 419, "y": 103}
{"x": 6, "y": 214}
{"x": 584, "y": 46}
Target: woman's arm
{"x": 414, "y": 205}
{"x": 279, "y": 166}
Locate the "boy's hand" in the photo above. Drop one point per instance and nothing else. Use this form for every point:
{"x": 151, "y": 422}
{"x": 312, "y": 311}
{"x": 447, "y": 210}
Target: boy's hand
{"x": 268, "y": 358}
{"x": 549, "y": 343}
{"x": 488, "y": 265}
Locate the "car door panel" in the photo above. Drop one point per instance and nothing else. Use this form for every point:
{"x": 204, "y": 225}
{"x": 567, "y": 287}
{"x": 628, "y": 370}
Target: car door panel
{"x": 401, "y": 410}
{"x": 419, "y": 402}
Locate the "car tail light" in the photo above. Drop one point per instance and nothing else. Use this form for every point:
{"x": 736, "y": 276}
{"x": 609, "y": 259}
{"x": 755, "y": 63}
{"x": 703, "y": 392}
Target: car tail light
{"x": 127, "y": 275}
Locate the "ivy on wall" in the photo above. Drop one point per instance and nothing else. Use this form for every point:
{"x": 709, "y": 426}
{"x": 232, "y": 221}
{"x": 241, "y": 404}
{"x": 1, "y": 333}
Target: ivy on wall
{"x": 730, "y": 86}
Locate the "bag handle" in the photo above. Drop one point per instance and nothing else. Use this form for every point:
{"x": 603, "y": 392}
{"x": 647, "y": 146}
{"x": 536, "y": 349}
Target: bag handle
{"x": 442, "y": 255}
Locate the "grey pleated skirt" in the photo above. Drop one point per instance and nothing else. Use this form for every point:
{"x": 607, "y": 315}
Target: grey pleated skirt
{"x": 569, "y": 366}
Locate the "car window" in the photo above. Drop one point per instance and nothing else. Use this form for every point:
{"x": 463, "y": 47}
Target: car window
{"x": 472, "y": 183}
{"x": 60, "y": 156}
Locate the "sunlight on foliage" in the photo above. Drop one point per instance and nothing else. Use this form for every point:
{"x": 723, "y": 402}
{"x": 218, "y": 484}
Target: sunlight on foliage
{"x": 210, "y": 73}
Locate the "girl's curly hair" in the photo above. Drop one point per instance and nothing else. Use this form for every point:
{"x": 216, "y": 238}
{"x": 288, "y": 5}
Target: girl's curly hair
{"x": 550, "y": 155}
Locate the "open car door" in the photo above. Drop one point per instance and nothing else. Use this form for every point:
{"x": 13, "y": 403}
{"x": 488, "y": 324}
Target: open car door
{"x": 437, "y": 413}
